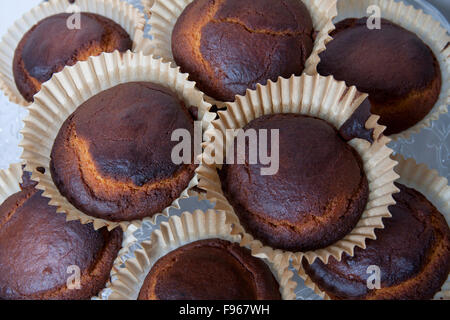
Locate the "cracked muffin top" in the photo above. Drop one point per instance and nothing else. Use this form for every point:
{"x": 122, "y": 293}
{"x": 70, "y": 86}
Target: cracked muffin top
{"x": 38, "y": 56}
{"x": 228, "y": 46}
{"x": 38, "y": 248}
{"x": 211, "y": 269}
{"x": 112, "y": 157}
{"x": 412, "y": 252}
{"x": 316, "y": 197}
{"x": 393, "y": 65}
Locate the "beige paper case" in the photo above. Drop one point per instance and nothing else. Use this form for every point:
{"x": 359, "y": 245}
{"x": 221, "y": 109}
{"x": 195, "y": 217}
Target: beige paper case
{"x": 164, "y": 15}
{"x": 147, "y": 4}
{"x": 323, "y": 98}
{"x": 67, "y": 90}
{"x": 127, "y": 281}
{"x": 427, "y": 28}
{"x": 121, "y": 12}
{"x": 10, "y": 180}
{"x": 432, "y": 186}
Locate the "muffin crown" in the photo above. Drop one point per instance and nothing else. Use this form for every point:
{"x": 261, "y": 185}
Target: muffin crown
{"x": 40, "y": 251}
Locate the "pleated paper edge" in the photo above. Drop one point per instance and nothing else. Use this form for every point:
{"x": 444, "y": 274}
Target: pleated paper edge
{"x": 10, "y": 180}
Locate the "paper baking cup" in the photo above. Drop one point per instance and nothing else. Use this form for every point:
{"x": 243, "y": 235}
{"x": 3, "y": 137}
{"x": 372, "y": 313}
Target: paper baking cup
{"x": 177, "y": 232}
{"x": 147, "y": 4}
{"x": 121, "y": 12}
{"x": 323, "y": 98}
{"x": 425, "y": 27}
{"x": 432, "y": 186}
{"x": 67, "y": 90}
{"x": 10, "y": 180}
{"x": 164, "y": 15}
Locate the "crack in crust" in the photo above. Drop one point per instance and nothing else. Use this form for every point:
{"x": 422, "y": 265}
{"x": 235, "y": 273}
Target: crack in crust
{"x": 260, "y": 31}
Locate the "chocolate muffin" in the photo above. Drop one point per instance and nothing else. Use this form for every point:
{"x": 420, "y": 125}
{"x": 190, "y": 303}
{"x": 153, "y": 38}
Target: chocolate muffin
{"x": 38, "y": 248}
{"x": 50, "y": 46}
{"x": 317, "y": 196}
{"x": 112, "y": 157}
{"x": 394, "y": 66}
{"x": 228, "y": 46}
{"x": 412, "y": 252}
{"x": 211, "y": 269}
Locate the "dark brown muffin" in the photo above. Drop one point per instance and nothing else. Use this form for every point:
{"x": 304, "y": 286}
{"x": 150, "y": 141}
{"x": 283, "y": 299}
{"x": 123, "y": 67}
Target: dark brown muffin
{"x": 37, "y": 247}
{"x": 211, "y": 269}
{"x": 112, "y": 156}
{"x": 50, "y": 46}
{"x": 228, "y": 46}
{"x": 396, "y": 68}
{"x": 317, "y": 196}
{"x": 412, "y": 252}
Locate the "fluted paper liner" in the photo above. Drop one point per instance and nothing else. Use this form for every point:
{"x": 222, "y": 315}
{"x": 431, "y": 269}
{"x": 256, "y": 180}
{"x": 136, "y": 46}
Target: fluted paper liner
{"x": 177, "y": 232}
{"x": 425, "y": 27}
{"x": 121, "y": 12}
{"x": 428, "y": 182}
{"x": 10, "y": 180}
{"x": 67, "y": 90}
{"x": 164, "y": 15}
{"x": 318, "y": 97}
{"x": 147, "y": 4}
